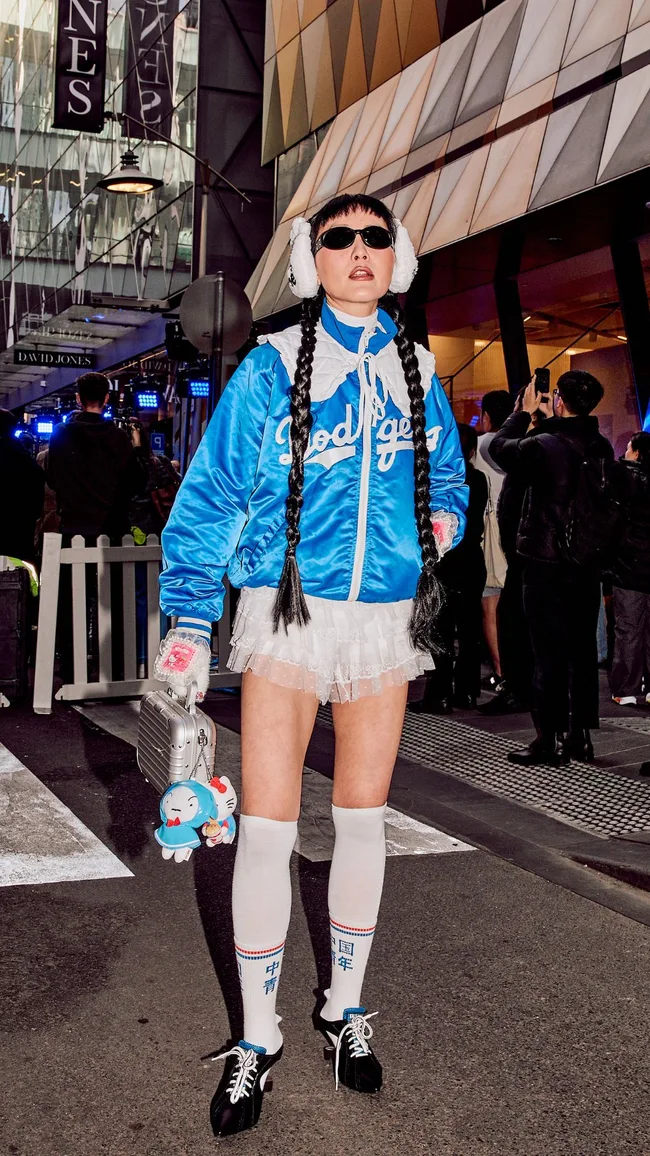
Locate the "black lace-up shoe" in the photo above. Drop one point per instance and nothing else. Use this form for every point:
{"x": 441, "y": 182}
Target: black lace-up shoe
{"x": 237, "y": 1102}
{"x": 355, "y": 1064}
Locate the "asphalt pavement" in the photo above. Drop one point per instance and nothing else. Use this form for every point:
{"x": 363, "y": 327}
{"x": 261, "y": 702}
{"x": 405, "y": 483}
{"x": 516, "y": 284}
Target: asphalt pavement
{"x": 513, "y": 1010}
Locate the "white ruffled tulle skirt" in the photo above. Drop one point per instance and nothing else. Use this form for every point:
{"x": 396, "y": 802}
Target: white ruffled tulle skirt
{"x": 346, "y": 651}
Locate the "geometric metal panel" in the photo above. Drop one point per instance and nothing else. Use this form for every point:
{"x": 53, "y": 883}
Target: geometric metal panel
{"x": 504, "y": 92}
{"x": 365, "y": 43}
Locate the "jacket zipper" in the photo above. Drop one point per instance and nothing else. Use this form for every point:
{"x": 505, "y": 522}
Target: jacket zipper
{"x": 362, "y": 513}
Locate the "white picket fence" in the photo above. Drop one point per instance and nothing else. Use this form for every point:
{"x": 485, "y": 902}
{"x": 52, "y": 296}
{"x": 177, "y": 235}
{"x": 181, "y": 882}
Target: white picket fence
{"x": 102, "y": 555}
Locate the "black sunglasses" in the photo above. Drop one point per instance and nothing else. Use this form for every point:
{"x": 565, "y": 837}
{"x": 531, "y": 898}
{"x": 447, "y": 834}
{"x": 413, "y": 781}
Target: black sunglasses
{"x": 343, "y": 237}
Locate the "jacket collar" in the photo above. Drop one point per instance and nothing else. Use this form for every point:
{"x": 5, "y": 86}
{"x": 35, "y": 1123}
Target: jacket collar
{"x": 383, "y": 332}
{"x": 334, "y": 360}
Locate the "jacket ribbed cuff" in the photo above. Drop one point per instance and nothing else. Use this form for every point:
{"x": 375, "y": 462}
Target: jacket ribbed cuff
{"x": 197, "y": 625}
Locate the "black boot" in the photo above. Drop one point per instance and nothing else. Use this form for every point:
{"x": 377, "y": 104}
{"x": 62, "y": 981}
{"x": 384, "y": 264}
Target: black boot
{"x": 545, "y": 750}
{"x": 355, "y": 1064}
{"x": 237, "y": 1102}
{"x": 579, "y": 745}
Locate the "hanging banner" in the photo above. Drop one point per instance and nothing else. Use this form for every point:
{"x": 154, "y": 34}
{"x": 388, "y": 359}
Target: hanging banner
{"x": 80, "y": 65}
{"x": 149, "y": 67}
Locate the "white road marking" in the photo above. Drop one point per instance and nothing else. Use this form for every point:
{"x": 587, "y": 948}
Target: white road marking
{"x": 41, "y": 841}
{"x": 404, "y": 835}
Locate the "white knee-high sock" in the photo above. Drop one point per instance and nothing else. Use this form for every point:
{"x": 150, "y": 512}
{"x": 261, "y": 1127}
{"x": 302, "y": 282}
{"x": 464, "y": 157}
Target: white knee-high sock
{"x": 356, "y": 882}
{"x": 261, "y": 906}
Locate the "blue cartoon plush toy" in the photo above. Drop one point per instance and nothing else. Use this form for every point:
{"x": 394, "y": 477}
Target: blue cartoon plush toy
{"x": 187, "y": 805}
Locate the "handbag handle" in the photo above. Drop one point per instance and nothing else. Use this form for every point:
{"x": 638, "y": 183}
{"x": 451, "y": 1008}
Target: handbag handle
{"x": 190, "y": 701}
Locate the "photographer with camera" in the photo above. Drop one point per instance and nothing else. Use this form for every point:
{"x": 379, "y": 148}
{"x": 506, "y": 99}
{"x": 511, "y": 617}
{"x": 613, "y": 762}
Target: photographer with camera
{"x": 567, "y": 524}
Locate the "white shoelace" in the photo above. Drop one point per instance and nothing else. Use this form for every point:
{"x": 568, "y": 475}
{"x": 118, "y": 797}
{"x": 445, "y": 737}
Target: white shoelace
{"x": 243, "y": 1077}
{"x": 359, "y": 1032}
{"x": 365, "y": 364}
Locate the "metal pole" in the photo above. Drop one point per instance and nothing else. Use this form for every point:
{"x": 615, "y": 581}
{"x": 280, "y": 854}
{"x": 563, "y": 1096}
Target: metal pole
{"x": 216, "y": 361}
{"x": 203, "y": 229}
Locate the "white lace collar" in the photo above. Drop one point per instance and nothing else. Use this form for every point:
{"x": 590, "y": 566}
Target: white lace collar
{"x": 333, "y": 363}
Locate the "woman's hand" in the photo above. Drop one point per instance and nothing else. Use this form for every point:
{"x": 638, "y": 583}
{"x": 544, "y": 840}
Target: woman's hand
{"x": 184, "y": 658}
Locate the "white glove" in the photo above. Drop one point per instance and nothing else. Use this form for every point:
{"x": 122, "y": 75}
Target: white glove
{"x": 444, "y": 530}
{"x": 184, "y": 658}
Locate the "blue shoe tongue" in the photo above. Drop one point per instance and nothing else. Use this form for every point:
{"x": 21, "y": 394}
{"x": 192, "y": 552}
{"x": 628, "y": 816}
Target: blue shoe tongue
{"x": 353, "y": 1011}
{"x": 252, "y": 1047}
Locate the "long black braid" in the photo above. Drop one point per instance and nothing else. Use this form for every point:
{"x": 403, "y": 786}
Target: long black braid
{"x": 429, "y": 596}
{"x": 290, "y": 605}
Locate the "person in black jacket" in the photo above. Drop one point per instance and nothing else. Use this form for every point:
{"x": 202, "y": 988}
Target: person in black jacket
{"x": 631, "y": 576}
{"x": 93, "y": 468}
{"x": 561, "y": 598}
{"x": 457, "y": 681}
{"x": 22, "y": 484}
{"x": 517, "y": 663}
{"x": 95, "y": 472}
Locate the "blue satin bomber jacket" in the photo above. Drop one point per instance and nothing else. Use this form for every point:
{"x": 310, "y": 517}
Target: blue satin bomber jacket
{"x": 358, "y": 530}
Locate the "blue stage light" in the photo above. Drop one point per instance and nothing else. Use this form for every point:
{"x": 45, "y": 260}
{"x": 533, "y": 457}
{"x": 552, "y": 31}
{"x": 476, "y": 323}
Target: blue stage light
{"x": 199, "y": 387}
{"x": 18, "y": 433}
{"x": 147, "y": 400}
{"x": 44, "y": 427}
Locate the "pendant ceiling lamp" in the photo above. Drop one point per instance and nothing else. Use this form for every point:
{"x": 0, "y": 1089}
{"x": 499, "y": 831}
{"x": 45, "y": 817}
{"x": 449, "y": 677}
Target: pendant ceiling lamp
{"x": 130, "y": 179}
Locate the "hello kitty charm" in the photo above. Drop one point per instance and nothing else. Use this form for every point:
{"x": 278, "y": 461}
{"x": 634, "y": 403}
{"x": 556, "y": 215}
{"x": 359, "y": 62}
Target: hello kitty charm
{"x": 188, "y": 805}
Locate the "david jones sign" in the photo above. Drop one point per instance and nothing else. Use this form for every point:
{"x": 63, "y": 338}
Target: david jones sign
{"x": 54, "y": 360}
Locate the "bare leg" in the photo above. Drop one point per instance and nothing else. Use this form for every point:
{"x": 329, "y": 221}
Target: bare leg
{"x": 490, "y": 630}
{"x": 276, "y": 725}
{"x": 368, "y": 734}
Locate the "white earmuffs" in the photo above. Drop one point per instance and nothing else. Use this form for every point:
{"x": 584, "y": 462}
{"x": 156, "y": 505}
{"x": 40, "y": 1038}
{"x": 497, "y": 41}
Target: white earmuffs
{"x": 303, "y": 278}
{"x": 406, "y": 262}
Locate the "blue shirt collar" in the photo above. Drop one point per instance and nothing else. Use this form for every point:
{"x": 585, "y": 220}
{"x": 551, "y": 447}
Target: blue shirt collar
{"x": 349, "y": 336}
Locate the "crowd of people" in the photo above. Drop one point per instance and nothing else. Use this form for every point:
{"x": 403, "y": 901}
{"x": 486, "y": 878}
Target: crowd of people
{"x": 556, "y": 531}
{"x": 515, "y": 599}
{"x": 94, "y": 478}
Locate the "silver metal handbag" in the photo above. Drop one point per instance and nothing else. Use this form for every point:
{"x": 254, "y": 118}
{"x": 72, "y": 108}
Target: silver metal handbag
{"x": 175, "y": 741}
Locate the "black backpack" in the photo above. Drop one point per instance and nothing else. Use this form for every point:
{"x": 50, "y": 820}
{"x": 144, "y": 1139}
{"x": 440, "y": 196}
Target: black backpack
{"x": 591, "y": 527}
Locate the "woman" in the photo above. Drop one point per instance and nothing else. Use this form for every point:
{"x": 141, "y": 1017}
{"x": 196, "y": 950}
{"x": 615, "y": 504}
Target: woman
{"x": 456, "y": 681}
{"x": 631, "y": 577}
{"x": 315, "y": 485}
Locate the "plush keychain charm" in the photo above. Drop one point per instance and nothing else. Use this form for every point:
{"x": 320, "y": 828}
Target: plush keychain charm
{"x": 222, "y": 828}
{"x": 187, "y": 805}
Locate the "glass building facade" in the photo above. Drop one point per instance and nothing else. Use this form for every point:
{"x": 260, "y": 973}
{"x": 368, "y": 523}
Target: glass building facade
{"x": 64, "y": 241}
